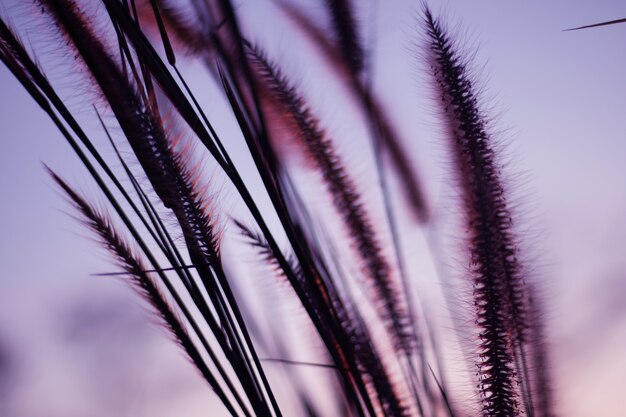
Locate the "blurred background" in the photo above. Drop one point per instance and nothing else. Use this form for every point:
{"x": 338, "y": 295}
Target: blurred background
{"x": 77, "y": 345}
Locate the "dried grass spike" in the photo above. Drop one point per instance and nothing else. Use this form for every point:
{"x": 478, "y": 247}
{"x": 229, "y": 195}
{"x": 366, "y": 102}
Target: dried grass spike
{"x": 346, "y": 198}
{"x": 498, "y": 287}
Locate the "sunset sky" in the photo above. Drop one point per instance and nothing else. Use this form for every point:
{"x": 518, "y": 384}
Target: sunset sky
{"x": 75, "y": 345}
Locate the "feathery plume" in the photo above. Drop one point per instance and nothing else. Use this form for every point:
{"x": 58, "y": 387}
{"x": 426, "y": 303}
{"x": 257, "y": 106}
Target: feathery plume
{"x": 144, "y": 285}
{"x": 164, "y": 167}
{"x": 385, "y": 135}
{"x": 341, "y": 187}
{"x": 499, "y": 293}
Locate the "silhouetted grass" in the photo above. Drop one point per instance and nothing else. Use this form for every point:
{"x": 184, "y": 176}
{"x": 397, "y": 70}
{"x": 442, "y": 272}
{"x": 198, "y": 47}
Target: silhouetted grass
{"x": 384, "y": 357}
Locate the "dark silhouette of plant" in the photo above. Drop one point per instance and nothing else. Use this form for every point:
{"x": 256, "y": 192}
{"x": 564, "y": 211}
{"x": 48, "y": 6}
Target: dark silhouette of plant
{"x": 384, "y": 356}
{"x": 595, "y": 25}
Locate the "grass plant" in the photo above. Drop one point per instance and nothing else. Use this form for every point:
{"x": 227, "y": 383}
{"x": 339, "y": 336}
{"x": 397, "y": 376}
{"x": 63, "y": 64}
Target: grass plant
{"x": 345, "y": 265}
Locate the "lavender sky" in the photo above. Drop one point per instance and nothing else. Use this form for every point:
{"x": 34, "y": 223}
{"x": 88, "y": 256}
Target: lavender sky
{"x": 76, "y": 345}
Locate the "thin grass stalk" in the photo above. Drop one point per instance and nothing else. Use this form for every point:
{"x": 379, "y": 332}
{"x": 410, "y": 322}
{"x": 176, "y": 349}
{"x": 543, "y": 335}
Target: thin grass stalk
{"x": 541, "y": 384}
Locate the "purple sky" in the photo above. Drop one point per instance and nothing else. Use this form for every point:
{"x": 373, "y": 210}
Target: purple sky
{"x": 562, "y": 97}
